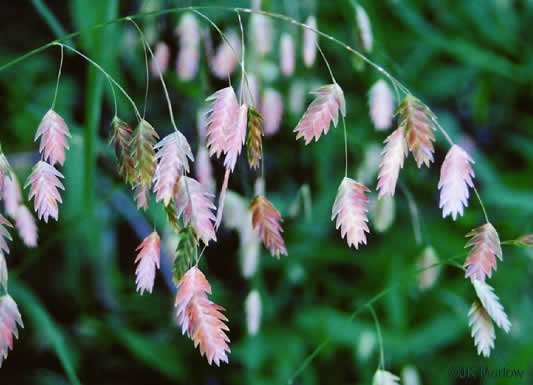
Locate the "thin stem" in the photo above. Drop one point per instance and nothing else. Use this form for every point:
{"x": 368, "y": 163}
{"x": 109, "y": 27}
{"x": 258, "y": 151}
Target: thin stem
{"x": 380, "y": 338}
{"x": 147, "y": 77}
{"x": 327, "y": 63}
{"x": 58, "y": 77}
{"x": 481, "y": 203}
{"x": 242, "y": 57}
{"x": 345, "y": 147}
{"x": 109, "y": 77}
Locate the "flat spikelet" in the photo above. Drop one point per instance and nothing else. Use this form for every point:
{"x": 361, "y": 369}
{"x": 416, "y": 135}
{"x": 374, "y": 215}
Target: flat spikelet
{"x": 142, "y": 195}
{"x": 122, "y": 140}
{"x": 236, "y": 137}
{"x": 160, "y": 59}
{"x": 188, "y": 58}
{"x": 309, "y": 42}
{"x": 392, "y": 158}
{"x": 266, "y": 220}
{"x": 3, "y": 271}
{"x": 253, "y": 312}
{"x": 144, "y": 152}
{"x": 53, "y": 132}
{"x": 44, "y": 182}
{"x": 221, "y": 113}
{"x": 455, "y": 177}
{"x": 4, "y": 234}
{"x": 272, "y": 111}
{"x": 350, "y": 209}
{"x": 322, "y": 110}
{"x": 261, "y": 33}
{"x": 148, "y": 262}
{"x": 186, "y": 253}
{"x": 428, "y": 261}
{"x": 254, "y": 138}
{"x": 25, "y": 224}
{"x": 11, "y": 194}
{"x": 363, "y": 26}
{"x": 417, "y": 120}
{"x": 482, "y": 329}
{"x": 201, "y": 318}
{"x": 287, "y": 59}
{"x": 485, "y": 244}
{"x": 382, "y": 377}
{"x": 194, "y": 202}
{"x": 381, "y": 104}
{"x": 226, "y": 58}
{"x": 492, "y": 305}
{"x": 9, "y": 318}
{"x": 173, "y": 154}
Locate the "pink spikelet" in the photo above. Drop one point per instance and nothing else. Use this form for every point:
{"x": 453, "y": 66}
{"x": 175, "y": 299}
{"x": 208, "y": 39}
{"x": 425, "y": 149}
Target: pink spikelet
{"x": 9, "y": 318}
{"x": 3, "y": 271}
{"x": 322, "y": 110}
{"x": 188, "y": 58}
{"x": 160, "y": 59}
{"x": 381, "y": 104}
{"x": 142, "y": 195}
{"x": 53, "y": 132}
{"x": 11, "y": 195}
{"x": 25, "y": 223}
{"x": 226, "y": 56}
{"x": 272, "y": 111}
{"x": 221, "y": 113}
{"x": 4, "y": 234}
{"x": 287, "y": 59}
{"x": 266, "y": 220}
{"x": 148, "y": 262}
{"x": 5, "y": 170}
{"x": 173, "y": 154}
{"x": 194, "y": 202}
{"x": 455, "y": 176}
{"x": 309, "y": 42}
{"x": 350, "y": 209}
{"x": 236, "y": 137}
{"x": 392, "y": 158}
{"x": 203, "y": 169}
{"x": 201, "y": 318}
{"x": 485, "y": 244}
{"x": 44, "y": 182}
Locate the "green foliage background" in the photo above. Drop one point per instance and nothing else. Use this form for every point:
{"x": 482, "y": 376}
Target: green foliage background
{"x": 470, "y": 61}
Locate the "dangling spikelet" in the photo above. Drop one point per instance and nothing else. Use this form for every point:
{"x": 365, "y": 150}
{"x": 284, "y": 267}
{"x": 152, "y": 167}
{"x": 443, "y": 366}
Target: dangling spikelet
{"x": 253, "y": 312}
{"x": 148, "y": 262}
{"x": 160, "y": 59}
{"x": 4, "y": 234}
{"x": 287, "y": 60}
{"x": 382, "y": 213}
{"x": 272, "y": 111}
{"x": 309, "y": 42}
{"x": 144, "y": 152}
{"x": 382, "y": 377}
{"x": 482, "y": 257}
{"x": 123, "y": 149}
{"x": 44, "y": 182}
{"x": 203, "y": 170}
{"x": 455, "y": 176}
{"x": 381, "y": 104}
{"x": 142, "y": 195}
{"x": 53, "y": 132}
{"x": 11, "y": 194}
{"x": 363, "y": 25}
{"x": 393, "y": 156}
{"x": 261, "y": 33}
{"x": 324, "y": 109}
{"x": 188, "y": 58}
{"x": 194, "y": 202}
{"x": 350, "y": 209}
{"x": 25, "y": 223}
{"x": 492, "y": 305}
{"x": 254, "y": 137}
{"x": 200, "y": 318}
{"x": 235, "y": 138}
{"x": 173, "y": 154}
{"x": 417, "y": 120}
{"x": 5, "y": 170}
{"x": 482, "y": 329}
{"x": 9, "y": 318}
{"x": 186, "y": 253}
{"x": 226, "y": 58}
{"x": 3, "y": 271}
{"x": 221, "y": 113}
{"x": 428, "y": 261}
{"x": 265, "y": 219}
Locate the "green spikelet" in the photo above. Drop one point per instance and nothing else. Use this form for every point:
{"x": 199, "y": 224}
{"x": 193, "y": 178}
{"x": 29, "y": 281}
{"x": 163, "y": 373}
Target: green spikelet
{"x": 144, "y": 153}
{"x": 254, "y": 136}
{"x": 185, "y": 253}
{"x": 172, "y": 216}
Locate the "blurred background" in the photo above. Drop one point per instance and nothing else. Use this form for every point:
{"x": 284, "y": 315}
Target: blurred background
{"x": 470, "y": 61}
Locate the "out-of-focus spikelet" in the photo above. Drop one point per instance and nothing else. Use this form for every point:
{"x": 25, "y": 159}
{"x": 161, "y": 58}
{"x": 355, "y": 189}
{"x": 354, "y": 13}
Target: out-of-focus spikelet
{"x": 44, "y": 182}
{"x": 203, "y": 170}
{"x": 482, "y": 328}
{"x": 455, "y": 176}
{"x": 160, "y": 59}
{"x": 3, "y": 271}
{"x": 253, "y": 312}
{"x": 147, "y": 261}
{"x": 236, "y": 137}
{"x": 122, "y": 138}
{"x": 417, "y": 119}
{"x": 381, "y": 104}
{"x": 194, "y": 202}
{"x": 481, "y": 259}
{"x": 226, "y": 58}
{"x": 188, "y": 31}
{"x": 382, "y": 213}
{"x": 142, "y": 195}
{"x": 364, "y": 28}
{"x": 382, "y": 377}
{"x": 173, "y": 154}
{"x": 393, "y": 156}
{"x": 287, "y": 55}
{"x": 410, "y": 376}
{"x": 323, "y": 110}
{"x": 25, "y": 223}
{"x": 261, "y": 33}
{"x": 266, "y": 220}
{"x": 309, "y": 42}
{"x": 9, "y": 318}
{"x": 350, "y": 209}
{"x": 254, "y": 138}
{"x": 221, "y": 113}
{"x": 492, "y": 305}
{"x": 427, "y": 262}
{"x": 201, "y": 318}
{"x": 53, "y": 132}
{"x": 272, "y": 111}
{"x": 11, "y": 194}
